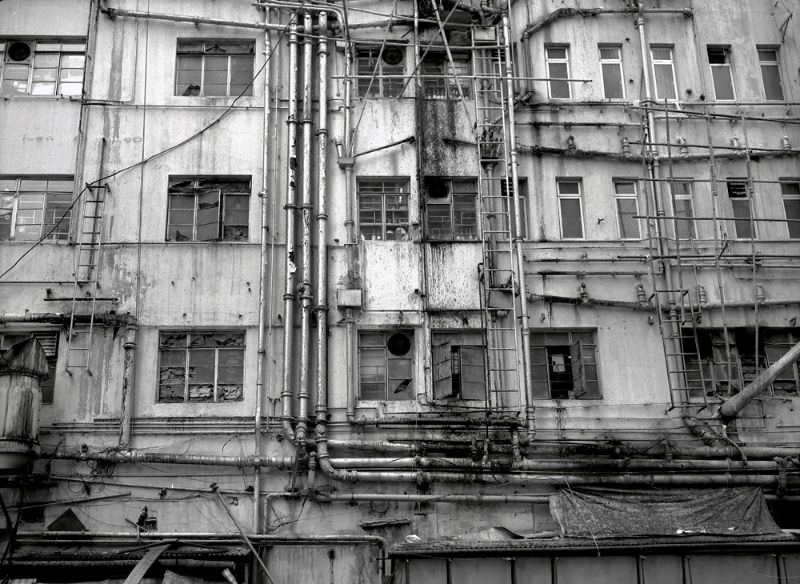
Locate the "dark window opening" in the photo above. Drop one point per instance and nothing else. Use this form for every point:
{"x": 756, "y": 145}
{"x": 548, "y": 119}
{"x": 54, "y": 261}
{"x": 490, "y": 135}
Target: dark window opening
{"x": 208, "y": 209}
{"x": 459, "y": 366}
{"x": 564, "y": 365}
{"x": 451, "y": 209}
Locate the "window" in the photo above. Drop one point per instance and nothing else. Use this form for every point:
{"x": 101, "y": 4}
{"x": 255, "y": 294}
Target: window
{"x": 507, "y": 190}
{"x": 42, "y": 67}
{"x": 441, "y": 78}
{"x": 719, "y": 58}
{"x": 377, "y": 68}
{"x": 569, "y": 206}
{"x": 738, "y": 193}
{"x": 564, "y": 365}
{"x": 203, "y": 366}
{"x": 683, "y": 203}
{"x": 663, "y": 72}
{"x": 383, "y": 208}
{"x": 611, "y": 64}
{"x": 791, "y": 204}
{"x": 214, "y": 68}
{"x": 459, "y": 365}
{"x": 32, "y": 208}
{"x": 208, "y": 209}
{"x": 49, "y": 342}
{"x": 386, "y": 365}
{"x": 770, "y": 73}
{"x": 451, "y": 208}
{"x": 557, "y": 72}
{"x": 627, "y": 209}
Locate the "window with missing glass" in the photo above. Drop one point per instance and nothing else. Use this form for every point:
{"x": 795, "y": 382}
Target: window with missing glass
{"x": 507, "y": 190}
{"x": 451, "y": 208}
{"x": 208, "y": 209}
{"x": 383, "y": 208}
{"x": 386, "y": 365}
{"x": 33, "y": 208}
{"x": 458, "y": 362}
{"x": 49, "y": 342}
{"x": 446, "y": 79}
{"x": 200, "y": 366}
{"x": 214, "y": 68}
{"x": 564, "y": 365}
{"x": 380, "y": 70}
{"x": 719, "y": 59}
{"x": 739, "y": 196}
{"x": 42, "y": 67}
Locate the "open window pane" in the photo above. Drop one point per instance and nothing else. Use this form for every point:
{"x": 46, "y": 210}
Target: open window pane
{"x": 208, "y": 209}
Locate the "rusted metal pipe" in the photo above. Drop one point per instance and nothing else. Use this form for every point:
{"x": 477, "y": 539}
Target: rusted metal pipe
{"x": 130, "y": 456}
{"x": 287, "y": 395}
{"x": 112, "y": 13}
{"x": 733, "y": 406}
{"x": 128, "y": 386}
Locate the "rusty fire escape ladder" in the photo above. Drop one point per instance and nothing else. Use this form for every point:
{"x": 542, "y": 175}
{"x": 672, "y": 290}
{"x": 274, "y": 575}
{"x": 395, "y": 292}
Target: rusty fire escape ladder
{"x": 85, "y": 283}
{"x": 499, "y": 280}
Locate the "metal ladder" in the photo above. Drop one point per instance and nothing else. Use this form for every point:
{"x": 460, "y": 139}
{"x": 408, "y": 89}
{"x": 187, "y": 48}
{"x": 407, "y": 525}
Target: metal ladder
{"x": 85, "y": 282}
{"x": 677, "y": 322}
{"x": 498, "y": 277}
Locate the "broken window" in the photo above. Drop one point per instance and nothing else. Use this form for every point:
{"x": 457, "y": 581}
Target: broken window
{"x": 380, "y": 70}
{"x": 564, "y": 365}
{"x": 627, "y": 209}
{"x": 730, "y": 359}
{"x": 459, "y": 365}
{"x": 386, "y": 365}
{"x": 683, "y": 204}
{"x": 770, "y": 73}
{"x": 49, "y": 342}
{"x": 611, "y": 64}
{"x": 507, "y": 190}
{"x": 441, "y": 78}
{"x": 383, "y": 208}
{"x": 663, "y": 72}
{"x": 719, "y": 59}
{"x": 570, "y": 209}
{"x": 557, "y": 58}
{"x": 739, "y": 195}
{"x": 790, "y": 190}
{"x": 42, "y": 67}
{"x": 451, "y": 207}
{"x": 214, "y": 67}
{"x": 203, "y": 366}
{"x": 35, "y": 208}
{"x": 208, "y": 209}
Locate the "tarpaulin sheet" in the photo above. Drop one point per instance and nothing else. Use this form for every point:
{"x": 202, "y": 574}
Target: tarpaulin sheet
{"x": 621, "y": 513}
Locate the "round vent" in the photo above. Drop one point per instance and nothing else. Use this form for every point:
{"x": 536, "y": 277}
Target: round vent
{"x": 19, "y": 51}
{"x": 393, "y": 55}
{"x": 398, "y": 344}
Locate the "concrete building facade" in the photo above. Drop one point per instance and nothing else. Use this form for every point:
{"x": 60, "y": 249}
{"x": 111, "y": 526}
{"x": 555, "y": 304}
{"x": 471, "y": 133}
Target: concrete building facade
{"x": 354, "y": 291}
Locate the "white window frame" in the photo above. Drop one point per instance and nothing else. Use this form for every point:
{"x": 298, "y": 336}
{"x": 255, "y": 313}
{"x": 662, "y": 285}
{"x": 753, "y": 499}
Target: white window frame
{"x": 204, "y": 54}
{"x": 720, "y": 68}
{"x": 392, "y": 390}
{"x": 550, "y": 60}
{"x": 748, "y": 205}
{"x": 790, "y": 191}
{"x": 570, "y": 196}
{"x": 51, "y": 215}
{"x": 619, "y": 197}
{"x": 65, "y": 84}
{"x": 662, "y": 63}
{"x": 687, "y": 196}
{"x": 776, "y": 64}
{"x": 611, "y": 63}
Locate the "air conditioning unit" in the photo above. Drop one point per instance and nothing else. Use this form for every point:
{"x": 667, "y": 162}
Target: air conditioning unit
{"x": 20, "y": 52}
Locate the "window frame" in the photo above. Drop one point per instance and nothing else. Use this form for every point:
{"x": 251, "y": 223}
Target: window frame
{"x": 68, "y": 47}
{"x": 609, "y": 63}
{"x": 680, "y": 219}
{"x": 380, "y": 86}
{"x": 620, "y": 197}
{"x": 663, "y": 63}
{"x": 224, "y": 204}
{"x": 792, "y": 223}
{"x": 182, "y": 90}
{"x": 441, "y": 78}
{"x": 582, "y": 356}
{"x": 217, "y": 396}
{"x": 776, "y": 64}
{"x": 449, "y": 349}
{"x": 551, "y": 78}
{"x": 448, "y": 183}
{"x": 523, "y": 204}
{"x": 570, "y": 196}
{"x": 58, "y": 212}
{"x": 748, "y": 206}
{"x": 402, "y": 186}
{"x": 388, "y": 359}
{"x": 49, "y": 340}
{"x": 719, "y": 69}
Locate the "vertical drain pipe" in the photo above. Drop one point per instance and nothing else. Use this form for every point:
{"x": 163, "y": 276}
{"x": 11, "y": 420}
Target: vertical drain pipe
{"x": 305, "y": 294}
{"x": 322, "y": 233}
{"x": 263, "y": 297}
{"x": 291, "y": 202}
